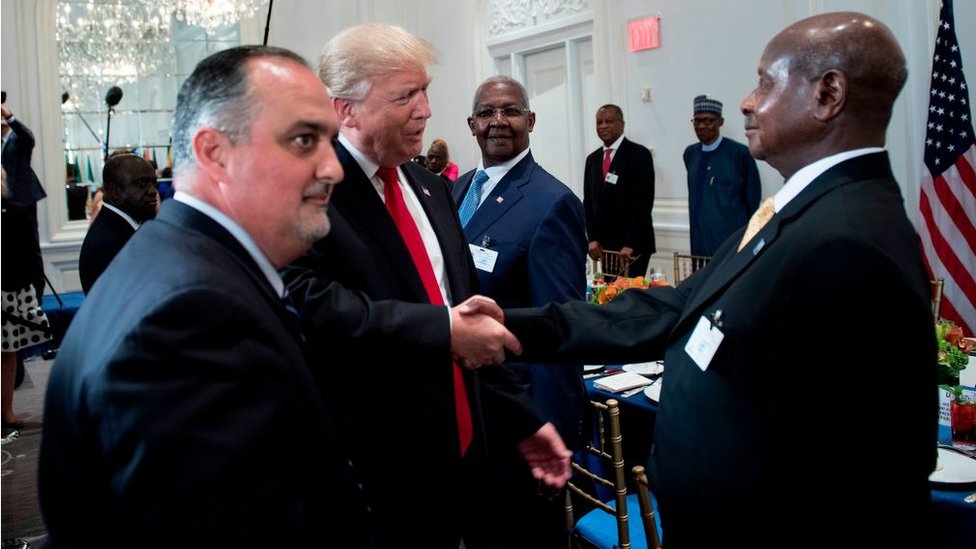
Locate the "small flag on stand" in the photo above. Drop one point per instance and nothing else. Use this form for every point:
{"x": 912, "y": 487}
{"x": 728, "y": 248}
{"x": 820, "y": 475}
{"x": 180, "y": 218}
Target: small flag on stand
{"x": 947, "y": 199}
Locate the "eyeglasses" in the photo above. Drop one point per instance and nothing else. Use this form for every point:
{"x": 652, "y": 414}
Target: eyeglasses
{"x": 507, "y": 113}
{"x": 703, "y": 121}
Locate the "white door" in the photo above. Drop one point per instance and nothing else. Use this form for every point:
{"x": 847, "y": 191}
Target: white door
{"x": 560, "y": 82}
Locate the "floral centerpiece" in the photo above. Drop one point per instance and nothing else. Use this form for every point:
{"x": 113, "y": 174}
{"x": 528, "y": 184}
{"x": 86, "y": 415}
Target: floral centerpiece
{"x": 606, "y": 292}
{"x": 953, "y": 351}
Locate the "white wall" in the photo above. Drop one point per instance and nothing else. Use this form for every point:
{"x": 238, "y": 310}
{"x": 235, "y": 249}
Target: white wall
{"x": 708, "y": 46}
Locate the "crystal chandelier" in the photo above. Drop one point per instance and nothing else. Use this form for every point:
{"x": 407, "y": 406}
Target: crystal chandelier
{"x": 110, "y": 41}
{"x": 211, "y": 14}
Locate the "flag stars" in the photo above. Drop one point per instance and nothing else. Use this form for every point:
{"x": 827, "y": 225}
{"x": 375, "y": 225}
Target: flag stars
{"x": 942, "y": 94}
{"x": 939, "y": 128}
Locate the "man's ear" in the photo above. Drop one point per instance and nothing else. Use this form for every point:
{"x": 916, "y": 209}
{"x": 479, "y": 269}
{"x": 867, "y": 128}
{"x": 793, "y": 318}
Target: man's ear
{"x": 211, "y": 148}
{"x": 345, "y": 111}
{"x": 471, "y": 125}
{"x": 830, "y": 95}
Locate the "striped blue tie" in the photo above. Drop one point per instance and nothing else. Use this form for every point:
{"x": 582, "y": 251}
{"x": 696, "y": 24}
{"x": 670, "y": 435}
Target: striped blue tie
{"x": 472, "y": 198}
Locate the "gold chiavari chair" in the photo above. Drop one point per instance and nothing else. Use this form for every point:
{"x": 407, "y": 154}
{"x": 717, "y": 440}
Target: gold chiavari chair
{"x": 937, "y": 286}
{"x": 686, "y": 264}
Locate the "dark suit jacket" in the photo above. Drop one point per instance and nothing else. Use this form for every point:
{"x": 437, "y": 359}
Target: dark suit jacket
{"x": 619, "y": 214}
{"x": 358, "y": 290}
{"x": 25, "y": 190}
{"x": 535, "y": 224}
{"x": 105, "y": 238}
{"x": 24, "y": 187}
{"x": 182, "y": 407}
{"x": 775, "y": 436}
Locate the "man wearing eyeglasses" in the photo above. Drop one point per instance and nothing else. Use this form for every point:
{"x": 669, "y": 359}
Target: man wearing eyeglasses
{"x": 527, "y": 235}
{"x": 129, "y": 199}
{"x": 723, "y": 180}
{"x": 618, "y": 193}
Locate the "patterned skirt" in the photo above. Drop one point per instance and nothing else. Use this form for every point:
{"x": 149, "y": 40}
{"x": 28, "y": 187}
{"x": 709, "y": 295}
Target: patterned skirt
{"x": 24, "y": 322}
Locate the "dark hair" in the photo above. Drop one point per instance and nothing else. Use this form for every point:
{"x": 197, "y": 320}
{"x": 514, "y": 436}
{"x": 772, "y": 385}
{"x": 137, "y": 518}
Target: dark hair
{"x": 614, "y": 108}
{"x": 217, "y": 95}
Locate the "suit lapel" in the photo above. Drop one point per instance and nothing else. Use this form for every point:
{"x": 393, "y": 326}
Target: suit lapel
{"x": 502, "y": 198}
{"x": 357, "y": 199}
{"x": 186, "y": 217}
{"x": 732, "y": 264}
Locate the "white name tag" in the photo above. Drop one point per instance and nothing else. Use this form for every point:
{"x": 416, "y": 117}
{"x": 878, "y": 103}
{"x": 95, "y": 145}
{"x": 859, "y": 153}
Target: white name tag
{"x": 484, "y": 259}
{"x": 704, "y": 343}
{"x": 611, "y": 178}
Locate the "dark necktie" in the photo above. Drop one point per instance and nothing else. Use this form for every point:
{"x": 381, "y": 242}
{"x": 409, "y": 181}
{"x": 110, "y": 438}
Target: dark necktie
{"x": 415, "y": 244}
{"x": 472, "y": 198}
{"x": 606, "y": 163}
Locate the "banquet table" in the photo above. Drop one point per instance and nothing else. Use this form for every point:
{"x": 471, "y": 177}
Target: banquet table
{"x": 955, "y": 519}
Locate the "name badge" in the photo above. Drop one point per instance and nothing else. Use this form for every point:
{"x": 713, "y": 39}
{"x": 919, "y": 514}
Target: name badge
{"x": 611, "y": 178}
{"x": 484, "y": 259}
{"x": 704, "y": 343}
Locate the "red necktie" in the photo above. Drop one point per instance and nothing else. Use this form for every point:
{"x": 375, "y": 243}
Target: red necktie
{"x": 606, "y": 163}
{"x": 415, "y": 244}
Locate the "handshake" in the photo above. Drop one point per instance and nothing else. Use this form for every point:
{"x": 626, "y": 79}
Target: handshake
{"x": 478, "y": 333}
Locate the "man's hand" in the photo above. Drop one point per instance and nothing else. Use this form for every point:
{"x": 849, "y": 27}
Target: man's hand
{"x": 477, "y": 335}
{"x": 627, "y": 252}
{"x": 547, "y": 457}
{"x": 595, "y": 250}
{"x": 482, "y": 305}
{"x": 5, "y": 112}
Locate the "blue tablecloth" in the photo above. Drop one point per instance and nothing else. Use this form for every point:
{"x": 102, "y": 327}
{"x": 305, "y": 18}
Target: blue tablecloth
{"x": 955, "y": 520}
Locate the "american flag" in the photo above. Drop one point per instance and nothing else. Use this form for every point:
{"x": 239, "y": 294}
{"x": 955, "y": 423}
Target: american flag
{"x": 948, "y": 195}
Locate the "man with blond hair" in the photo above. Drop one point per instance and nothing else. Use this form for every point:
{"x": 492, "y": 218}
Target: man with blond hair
{"x": 385, "y": 284}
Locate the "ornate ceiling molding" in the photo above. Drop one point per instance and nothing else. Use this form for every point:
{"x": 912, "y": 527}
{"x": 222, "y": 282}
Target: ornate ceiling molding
{"x": 508, "y": 16}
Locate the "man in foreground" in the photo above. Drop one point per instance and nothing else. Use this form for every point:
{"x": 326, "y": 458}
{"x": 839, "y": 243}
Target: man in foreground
{"x": 181, "y": 407}
{"x": 385, "y": 285}
{"x": 768, "y": 350}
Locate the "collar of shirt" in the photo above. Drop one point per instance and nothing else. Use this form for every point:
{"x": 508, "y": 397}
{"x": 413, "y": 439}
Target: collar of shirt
{"x": 416, "y": 209}
{"x": 713, "y": 146}
{"x": 808, "y": 173}
{"x": 615, "y": 146}
{"x": 238, "y": 233}
{"x": 128, "y": 219}
{"x": 498, "y": 172}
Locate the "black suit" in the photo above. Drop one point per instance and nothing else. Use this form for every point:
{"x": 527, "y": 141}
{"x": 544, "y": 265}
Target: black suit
{"x": 777, "y": 436}
{"x": 619, "y": 214}
{"x": 25, "y": 190}
{"x": 105, "y": 238}
{"x": 358, "y": 290}
{"x": 181, "y": 406}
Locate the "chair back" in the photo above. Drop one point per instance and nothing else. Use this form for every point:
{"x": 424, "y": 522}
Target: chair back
{"x": 937, "y": 286}
{"x": 607, "y": 470}
{"x": 646, "y": 508}
{"x": 686, "y": 264}
{"x": 612, "y": 265}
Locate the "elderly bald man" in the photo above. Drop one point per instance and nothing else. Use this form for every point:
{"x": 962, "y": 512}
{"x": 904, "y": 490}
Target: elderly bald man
{"x": 750, "y": 444}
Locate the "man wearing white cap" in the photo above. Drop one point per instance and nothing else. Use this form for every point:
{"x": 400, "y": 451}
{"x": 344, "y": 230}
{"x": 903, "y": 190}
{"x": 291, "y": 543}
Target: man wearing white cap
{"x": 723, "y": 181}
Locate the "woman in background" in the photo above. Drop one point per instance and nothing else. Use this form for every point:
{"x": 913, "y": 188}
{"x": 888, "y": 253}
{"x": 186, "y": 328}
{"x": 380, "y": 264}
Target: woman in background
{"x": 24, "y": 322}
{"x": 439, "y": 161}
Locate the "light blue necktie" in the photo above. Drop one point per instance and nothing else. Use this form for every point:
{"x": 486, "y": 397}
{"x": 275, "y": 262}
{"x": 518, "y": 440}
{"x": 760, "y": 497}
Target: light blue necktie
{"x": 472, "y": 198}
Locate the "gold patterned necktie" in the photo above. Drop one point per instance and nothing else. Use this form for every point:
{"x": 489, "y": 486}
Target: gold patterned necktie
{"x": 758, "y": 220}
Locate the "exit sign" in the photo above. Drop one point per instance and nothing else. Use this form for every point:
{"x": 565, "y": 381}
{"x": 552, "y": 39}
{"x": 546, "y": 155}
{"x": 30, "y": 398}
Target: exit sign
{"x": 645, "y": 34}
